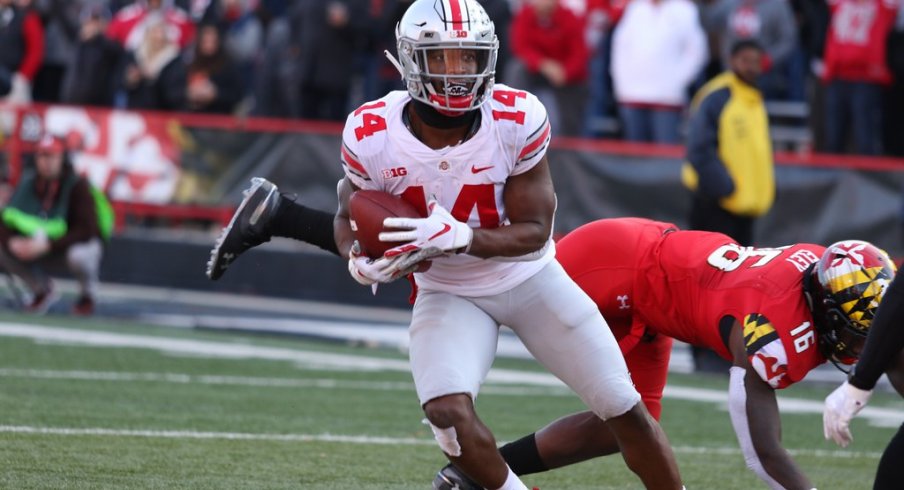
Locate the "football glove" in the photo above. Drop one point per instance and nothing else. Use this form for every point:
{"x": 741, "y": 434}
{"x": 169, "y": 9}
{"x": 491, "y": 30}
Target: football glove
{"x": 437, "y": 234}
{"x": 411, "y": 261}
{"x": 841, "y": 406}
{"x": 367, "y": 271}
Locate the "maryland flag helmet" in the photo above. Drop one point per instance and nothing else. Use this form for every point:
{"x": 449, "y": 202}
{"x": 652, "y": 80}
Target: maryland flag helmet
{"x": 845, "y": 288}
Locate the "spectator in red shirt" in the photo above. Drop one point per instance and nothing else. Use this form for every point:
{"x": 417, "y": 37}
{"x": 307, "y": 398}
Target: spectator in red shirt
{"x": 551, "y": 59}
{"x": 855, "y": 72}
{"x": 21, "y": 50}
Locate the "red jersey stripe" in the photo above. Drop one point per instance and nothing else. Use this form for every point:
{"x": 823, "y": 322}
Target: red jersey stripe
{"x": 350, "y": 160}
{"x": 535, "y": 143}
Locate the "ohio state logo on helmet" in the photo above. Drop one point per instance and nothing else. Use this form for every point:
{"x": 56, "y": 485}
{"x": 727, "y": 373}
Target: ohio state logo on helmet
{"x": 447, "y": 54}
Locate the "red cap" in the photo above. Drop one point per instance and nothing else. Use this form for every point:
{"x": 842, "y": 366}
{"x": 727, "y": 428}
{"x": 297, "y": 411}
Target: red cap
{"x": 51, "y": 144}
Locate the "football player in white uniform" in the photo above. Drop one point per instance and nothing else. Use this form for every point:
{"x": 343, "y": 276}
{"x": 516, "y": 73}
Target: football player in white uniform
{"x": 472, "y": 158}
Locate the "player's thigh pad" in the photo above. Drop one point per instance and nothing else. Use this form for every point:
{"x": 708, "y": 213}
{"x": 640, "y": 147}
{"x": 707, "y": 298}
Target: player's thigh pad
{"x": 452, "y": 345}
{"x": 563, "y": 329}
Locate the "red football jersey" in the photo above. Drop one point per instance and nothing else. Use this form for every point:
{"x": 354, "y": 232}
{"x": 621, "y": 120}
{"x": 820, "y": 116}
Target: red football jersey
{"x": 683, "y": 284}
{"x": 855, "y": 46}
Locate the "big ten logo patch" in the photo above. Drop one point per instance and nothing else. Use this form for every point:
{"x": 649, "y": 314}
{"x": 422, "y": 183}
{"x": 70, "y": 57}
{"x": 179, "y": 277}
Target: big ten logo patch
{"x": 391, "y": 173}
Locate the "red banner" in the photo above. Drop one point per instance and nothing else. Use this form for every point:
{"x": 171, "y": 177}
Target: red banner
{"x": 132, "y": 156}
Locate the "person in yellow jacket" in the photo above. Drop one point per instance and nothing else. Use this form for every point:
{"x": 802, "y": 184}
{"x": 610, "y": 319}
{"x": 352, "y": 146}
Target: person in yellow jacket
{"x": 729, "y": 165}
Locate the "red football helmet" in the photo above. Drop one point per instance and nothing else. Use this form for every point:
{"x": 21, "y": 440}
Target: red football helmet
{"x": 844, "y": 290}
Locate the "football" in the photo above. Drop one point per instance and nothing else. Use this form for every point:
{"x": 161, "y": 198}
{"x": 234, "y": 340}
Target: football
{"x": 367, "y": 210}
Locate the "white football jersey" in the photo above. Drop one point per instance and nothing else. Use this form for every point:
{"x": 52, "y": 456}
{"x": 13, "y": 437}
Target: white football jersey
{"x": 380, "y": 152}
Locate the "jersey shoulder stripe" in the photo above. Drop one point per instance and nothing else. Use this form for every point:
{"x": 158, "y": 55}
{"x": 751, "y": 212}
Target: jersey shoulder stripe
{"x": 351, "y": 164}
{"x": 536, "y": 142}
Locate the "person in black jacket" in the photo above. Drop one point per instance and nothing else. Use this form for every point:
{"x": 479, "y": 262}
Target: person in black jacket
{"x": 91, "y": 75}
{"x": 52, "y": 217}
{"x": 882, "y": 353}
{"x": 214, "y": 84}
{"x": 327, "y": 35}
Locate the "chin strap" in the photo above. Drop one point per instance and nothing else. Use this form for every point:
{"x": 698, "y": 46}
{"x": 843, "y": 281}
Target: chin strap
{"x": 812, "y": 297}
{"x": 807, "y": 283}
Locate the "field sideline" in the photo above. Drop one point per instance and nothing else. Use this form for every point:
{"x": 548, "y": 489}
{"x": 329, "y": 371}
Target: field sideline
{"x": 97, "y": 404}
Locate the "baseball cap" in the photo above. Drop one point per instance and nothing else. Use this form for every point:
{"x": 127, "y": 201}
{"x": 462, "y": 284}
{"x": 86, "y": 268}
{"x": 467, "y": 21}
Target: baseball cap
{"x": 51, "y": 144}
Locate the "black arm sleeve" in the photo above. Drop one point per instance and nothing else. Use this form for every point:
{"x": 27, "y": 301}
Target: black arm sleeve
{"x": 885, "y": 339}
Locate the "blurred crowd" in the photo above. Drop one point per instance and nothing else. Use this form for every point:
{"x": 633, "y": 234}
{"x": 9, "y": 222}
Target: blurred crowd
{"x": 637, "y": 62}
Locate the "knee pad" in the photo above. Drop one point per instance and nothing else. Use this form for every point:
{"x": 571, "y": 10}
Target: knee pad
{"x": 616, "y": 398}
{"x": 447, "y": 439}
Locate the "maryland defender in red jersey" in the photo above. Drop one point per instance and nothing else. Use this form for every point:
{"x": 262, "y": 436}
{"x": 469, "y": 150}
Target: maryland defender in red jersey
{"x": 694, "y": 286}
{"x": 776, "y": 313}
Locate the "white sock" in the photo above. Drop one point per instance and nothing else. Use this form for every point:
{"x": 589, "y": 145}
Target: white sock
{"x": 512, "y": 482}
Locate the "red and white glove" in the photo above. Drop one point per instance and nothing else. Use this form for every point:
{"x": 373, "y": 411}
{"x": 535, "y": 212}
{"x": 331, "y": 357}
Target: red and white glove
{"x": 367, "y": 271}
{"x": 437, "y": 234}
{"x": 841, "y": 406}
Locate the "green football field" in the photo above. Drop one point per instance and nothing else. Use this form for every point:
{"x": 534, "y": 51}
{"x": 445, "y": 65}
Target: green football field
{"x": 94, "y": 404}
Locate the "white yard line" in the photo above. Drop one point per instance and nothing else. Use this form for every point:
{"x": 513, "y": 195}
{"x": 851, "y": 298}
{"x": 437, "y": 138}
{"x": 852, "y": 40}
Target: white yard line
{"x": 261, "y": 382}
{"x": 188, "y": 434}
{"x": 884, "y": 417}
{"x": 353, "y": 439}
{"x": 110, "y": 292}
{"x": 205, "y": 348}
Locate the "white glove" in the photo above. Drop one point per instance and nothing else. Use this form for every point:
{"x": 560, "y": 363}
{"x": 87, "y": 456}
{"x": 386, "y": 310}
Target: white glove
{"x": 841, "y": 406}
{"x": 20, "y": 92}
{"x": 368, "y": 271}
{"x": 437, "y": 234}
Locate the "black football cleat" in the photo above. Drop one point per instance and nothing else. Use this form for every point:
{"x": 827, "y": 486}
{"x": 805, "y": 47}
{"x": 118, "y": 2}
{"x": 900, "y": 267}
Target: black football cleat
{"x": 249, "y": 226}
{"x": 450, "y": 478}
